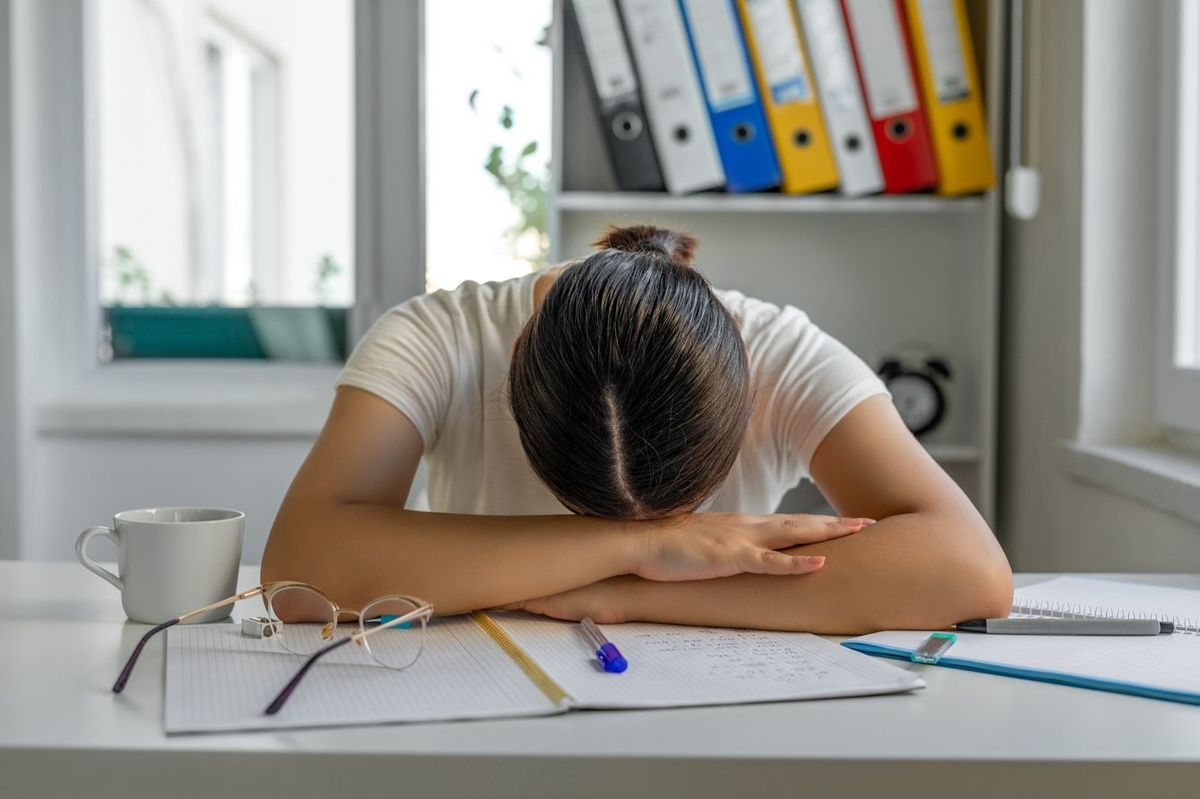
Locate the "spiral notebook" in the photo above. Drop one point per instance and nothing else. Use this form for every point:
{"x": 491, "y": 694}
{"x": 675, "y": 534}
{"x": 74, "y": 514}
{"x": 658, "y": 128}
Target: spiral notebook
{"x": 501, "y": 665}
{"x": 1160, "y": 667}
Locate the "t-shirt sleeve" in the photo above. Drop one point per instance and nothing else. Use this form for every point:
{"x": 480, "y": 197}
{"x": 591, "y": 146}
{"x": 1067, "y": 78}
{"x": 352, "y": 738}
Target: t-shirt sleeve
{"x": 407, "y": 359}
{"x": 813, "y": 382}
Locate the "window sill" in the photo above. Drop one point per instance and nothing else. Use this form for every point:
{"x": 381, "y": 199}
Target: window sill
{"x": 261, "y": 417}
{"x": 1157, "y": 475}
{"x": 182, "y": 399}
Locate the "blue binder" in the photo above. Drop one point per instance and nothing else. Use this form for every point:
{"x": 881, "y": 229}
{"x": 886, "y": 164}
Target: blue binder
{"x": 738, "y": 121}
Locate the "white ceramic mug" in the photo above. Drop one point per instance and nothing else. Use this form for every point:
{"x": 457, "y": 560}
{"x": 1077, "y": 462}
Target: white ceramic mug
{"x": 171, "y": 560}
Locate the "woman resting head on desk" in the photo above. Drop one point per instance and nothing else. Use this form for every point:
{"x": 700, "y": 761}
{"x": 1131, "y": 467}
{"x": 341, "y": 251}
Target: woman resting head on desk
{"x": 669, "y": 418}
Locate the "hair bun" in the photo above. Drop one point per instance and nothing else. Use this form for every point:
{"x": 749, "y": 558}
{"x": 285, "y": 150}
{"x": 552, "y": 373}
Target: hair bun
{"x": 678, "y": 247}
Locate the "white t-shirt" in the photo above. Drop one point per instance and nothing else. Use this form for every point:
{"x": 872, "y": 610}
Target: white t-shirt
{"x": 442, "y": 359}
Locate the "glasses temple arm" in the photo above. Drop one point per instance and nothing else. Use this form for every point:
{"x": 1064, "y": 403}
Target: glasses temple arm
{"x": 277, "y": 703}
{"x": 127, "y": 670}
{"x": 255, "y": 591}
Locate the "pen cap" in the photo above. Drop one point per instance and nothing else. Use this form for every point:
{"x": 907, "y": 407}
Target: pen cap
{"x": 611, "y": 658}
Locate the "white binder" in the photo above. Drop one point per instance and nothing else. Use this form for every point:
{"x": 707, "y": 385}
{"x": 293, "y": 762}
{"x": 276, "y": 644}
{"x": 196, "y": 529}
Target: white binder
{"x": 679, "y": 124}
{"x": 841, "y": 96}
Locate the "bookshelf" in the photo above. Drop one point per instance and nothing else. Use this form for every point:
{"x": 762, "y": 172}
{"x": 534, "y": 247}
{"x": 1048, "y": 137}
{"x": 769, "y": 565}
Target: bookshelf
{"x": 876, "y": 272}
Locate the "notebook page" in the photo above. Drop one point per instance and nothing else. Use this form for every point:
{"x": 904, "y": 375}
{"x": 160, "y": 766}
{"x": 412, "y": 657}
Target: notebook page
{"x": 675, "y": 666}
{"x": 219, "y": 679}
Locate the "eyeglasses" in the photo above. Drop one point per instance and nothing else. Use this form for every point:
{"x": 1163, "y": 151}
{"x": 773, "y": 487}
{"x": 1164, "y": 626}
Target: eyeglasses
{"x": 304, "y": 621}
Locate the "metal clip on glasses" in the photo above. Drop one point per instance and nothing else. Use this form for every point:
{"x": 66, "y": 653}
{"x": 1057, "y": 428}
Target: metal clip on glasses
{"x": 258, "y": 627}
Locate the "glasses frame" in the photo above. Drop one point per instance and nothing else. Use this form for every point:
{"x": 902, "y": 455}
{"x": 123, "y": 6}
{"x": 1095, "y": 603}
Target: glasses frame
{"x": 422, "y": 613}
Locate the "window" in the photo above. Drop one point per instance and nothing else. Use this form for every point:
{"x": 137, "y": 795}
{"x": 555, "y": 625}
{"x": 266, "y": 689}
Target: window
{"x": 225, "y": 170}
{"x": 1179, "y": 359}
{"x": 241, "y": 128}
{"x": 486, "y": 139}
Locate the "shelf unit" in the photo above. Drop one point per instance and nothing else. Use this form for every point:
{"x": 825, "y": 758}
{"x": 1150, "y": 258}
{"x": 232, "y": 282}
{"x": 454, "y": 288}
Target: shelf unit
{"x": 652, "y": 202}
{"x": 876, "y": 272}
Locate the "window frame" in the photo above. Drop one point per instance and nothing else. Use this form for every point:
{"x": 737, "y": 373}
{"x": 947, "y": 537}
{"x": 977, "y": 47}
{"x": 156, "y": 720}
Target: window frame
{"x": 80, "y": 394}
{"x": 1178, "y": 386}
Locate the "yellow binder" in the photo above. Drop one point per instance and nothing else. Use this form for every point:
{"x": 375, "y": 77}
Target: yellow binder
{"x": 953, "y": 100}
{"x": 788, "y": 95}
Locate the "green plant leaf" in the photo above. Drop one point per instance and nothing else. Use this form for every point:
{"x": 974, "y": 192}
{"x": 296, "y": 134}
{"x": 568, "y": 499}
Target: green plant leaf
{"x": 506, "y": 117}
{"x": 529, "y": 149}
{"x": 472, "y": 97}
{"x": 495, "y": 161}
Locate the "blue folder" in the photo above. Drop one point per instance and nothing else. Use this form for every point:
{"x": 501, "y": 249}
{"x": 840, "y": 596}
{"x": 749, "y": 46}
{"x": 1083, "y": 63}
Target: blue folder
{"x": 1041, "y": 675}
{"x": 738, "y": 122}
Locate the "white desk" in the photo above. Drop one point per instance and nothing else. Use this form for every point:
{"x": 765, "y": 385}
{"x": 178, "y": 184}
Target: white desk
{"x": 63, "y": 638}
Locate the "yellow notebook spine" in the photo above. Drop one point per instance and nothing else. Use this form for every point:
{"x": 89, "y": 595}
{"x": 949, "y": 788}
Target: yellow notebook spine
{"x": 553, "y": 691}
{"x": 797, "y": 128}
{"x": 953, "y": 100}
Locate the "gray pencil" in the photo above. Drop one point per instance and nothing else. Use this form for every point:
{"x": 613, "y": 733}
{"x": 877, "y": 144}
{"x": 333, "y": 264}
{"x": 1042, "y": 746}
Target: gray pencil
{"x": 1066, "y": 626}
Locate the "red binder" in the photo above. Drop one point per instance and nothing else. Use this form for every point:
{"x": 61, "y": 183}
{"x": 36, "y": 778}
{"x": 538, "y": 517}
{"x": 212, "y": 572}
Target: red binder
{"x": 879, "y": 38}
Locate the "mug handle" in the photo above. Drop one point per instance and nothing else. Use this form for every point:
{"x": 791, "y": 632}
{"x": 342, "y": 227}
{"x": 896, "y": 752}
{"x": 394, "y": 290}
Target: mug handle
{"x": 91, "y": 565}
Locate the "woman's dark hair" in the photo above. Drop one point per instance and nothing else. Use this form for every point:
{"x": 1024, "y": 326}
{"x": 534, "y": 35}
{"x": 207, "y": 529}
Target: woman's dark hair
{"x": 630, "y": 384}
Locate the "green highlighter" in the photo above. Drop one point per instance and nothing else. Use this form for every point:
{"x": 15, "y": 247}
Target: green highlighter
{"x": 931, "y": 651}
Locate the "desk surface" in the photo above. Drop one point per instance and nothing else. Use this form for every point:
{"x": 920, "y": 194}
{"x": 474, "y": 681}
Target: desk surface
{"x": 63, "y": 637}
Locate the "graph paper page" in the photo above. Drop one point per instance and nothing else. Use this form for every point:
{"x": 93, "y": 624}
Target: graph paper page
{"x": 675, "y": 666}
{"x": 218, "y": 679}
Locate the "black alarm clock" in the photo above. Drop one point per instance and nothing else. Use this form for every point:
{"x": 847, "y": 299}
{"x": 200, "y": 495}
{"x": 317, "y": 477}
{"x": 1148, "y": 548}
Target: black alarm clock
{"x": 916, "y": 385}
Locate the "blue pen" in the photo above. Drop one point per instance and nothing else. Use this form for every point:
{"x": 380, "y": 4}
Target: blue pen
{"x": 609, "y": 656}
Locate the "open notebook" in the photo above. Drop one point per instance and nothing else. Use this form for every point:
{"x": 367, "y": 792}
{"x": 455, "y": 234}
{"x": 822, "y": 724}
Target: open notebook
{"x": 492, "y": 665}
{"x": 1162, "y": 667}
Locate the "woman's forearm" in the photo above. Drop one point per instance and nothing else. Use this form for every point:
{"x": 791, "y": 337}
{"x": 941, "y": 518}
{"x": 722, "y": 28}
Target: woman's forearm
{"x": 916, "y": 571}
{"x": 357, "y": 551}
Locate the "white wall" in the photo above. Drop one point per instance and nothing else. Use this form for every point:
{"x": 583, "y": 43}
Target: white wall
{"x": 83, "y": 481}
{"x": 1078, "y": 323}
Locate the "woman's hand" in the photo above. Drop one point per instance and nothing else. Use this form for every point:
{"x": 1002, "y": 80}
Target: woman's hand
{"x": 702, "y": 546}
{"x": 605, "y": 602}
{"x": 698, "y": 547}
